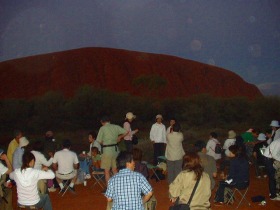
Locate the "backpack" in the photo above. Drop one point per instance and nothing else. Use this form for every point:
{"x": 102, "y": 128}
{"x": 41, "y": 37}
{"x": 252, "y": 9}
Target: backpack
{"x": 218, "y": 148}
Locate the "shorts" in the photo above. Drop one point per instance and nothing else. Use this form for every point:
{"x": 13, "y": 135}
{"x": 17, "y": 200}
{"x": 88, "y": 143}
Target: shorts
{"x": 108, "y": 161}
{"x": 66, "y": 176}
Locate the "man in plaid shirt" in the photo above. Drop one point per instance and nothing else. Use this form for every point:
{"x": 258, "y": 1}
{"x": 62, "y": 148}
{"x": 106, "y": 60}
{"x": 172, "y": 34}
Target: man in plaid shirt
{"x": 126, "y": 188}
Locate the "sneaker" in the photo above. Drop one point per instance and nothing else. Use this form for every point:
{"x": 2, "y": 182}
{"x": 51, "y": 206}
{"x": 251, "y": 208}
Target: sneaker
{"x": 275, "y": 198}
{"x": 51, "y": 189}
{"x": 72, "y": 189}
{"x": 62, "y": 190}
{"x": 87, "y": 176}
{"x": 264, "y": 176}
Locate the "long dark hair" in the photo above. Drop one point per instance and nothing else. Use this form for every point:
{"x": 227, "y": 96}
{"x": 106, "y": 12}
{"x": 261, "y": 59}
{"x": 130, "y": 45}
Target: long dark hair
{"x": 27, "y": 157}
{"x": 191, "y": 162}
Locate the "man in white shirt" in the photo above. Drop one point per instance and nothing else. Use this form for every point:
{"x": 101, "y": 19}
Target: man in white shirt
{"x": 66, "y": 163}
{"x": 271, "y": 153}
{"x": 158, "y": 137}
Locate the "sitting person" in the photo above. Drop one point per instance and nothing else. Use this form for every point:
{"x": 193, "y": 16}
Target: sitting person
{"x": 207, "y": 162}
{"x": 85, "y": 159}
{"x": 238, "y": 173}
{"x": 40, "y": 162}
{"x": 96, "y": 159}
{"x": 17, "y": 155}
{"x": 27, "y": 178}
{"x": 65, "y": 163}
{"x": 5, "y": 187}
{"x": 139, "y": 166}
{"x": 258, "y": 156}
{"x": 184, "y": 183}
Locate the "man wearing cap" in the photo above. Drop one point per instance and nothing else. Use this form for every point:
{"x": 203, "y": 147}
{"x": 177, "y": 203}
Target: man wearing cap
{"x": 13, "y": 145}
{"x": 17, "y": 156}
{"x": 158, "y": 138}
{"x": 109, "y": 136}
{"x": 129, "y": 117}
{"x": 5, "y": 191}
{"x": 275, "y": 130}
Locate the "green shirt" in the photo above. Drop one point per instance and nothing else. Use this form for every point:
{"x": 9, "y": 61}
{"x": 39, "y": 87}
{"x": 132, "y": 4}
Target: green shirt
{"x": 108, "y": 134}
{"x": 247, "y": 137}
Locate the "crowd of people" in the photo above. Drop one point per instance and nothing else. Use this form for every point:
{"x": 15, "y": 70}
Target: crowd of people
{"x": 38, "y": 168}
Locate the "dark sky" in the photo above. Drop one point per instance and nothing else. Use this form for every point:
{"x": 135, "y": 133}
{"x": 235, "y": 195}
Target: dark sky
{"x": 240, "y": 35}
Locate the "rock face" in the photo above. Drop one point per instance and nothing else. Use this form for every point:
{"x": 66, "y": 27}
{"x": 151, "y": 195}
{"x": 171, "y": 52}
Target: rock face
{"x": 137, "y": 73}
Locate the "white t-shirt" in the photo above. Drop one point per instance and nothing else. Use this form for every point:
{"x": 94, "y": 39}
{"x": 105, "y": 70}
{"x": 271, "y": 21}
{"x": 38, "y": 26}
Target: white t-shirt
{"x": 210, "y": 147}
{"x": 158, "y": 133}
{"x": 273, "y": 150}
{"x": 65, "y": 160}
{"x": 227, "y": 144}
{"x": 41, "y": 160}
{"x": 27, "y": 179}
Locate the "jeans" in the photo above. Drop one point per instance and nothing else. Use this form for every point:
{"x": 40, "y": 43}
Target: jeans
{"x": 44, "y": 202}
{"x": 271, "y": 176}
{"x": 128, "y": 145}
{"x": 84, "y": 165}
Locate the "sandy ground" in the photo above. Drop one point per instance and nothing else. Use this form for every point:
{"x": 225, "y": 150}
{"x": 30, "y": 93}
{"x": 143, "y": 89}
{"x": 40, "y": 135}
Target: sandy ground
{"x": 87, "y": 197}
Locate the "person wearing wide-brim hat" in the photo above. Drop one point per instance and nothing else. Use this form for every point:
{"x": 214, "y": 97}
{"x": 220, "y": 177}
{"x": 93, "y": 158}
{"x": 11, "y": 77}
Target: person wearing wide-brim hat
{"x": 129, "y": 117}
{"x": 257, "y": 154}
{"x": 230, "y": 141}
{"x": 158, "y": 137}
{"x": 275, "y": 130}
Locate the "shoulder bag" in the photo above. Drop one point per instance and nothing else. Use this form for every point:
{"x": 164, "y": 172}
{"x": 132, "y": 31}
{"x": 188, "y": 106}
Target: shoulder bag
{"x": 183, "y": 206}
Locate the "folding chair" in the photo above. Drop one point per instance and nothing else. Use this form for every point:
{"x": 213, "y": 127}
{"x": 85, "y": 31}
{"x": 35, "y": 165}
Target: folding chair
{"x": 98, "y": 177}
{"x": 242, "y": 192}
{"x": 66, "y": 185}
{"x": 153, "y": 169}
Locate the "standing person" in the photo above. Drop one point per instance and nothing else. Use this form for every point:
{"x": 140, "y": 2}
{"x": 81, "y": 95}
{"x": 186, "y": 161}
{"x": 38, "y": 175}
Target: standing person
{"x": 271, "y": 153}
{"x": 13, "y": 145}
{"x": 26, "y": 179}
{"x": 184, "y": 183}
{"x": 258, "y": 156}
{"x": 109, "y": 136}
{"x": 171, "y": 124}
{"x": 211, "y": 145}
{"x": 17, "y": 156}
{"x": 129, "y": 117}
{"x": 207, "y": 162}
{"x": 158, "y": 138}
{"x": 249, "y": 138}
{"x": 275, "y": 130}
{"x": 126, "y": 187}
{"x": 5, "y": 187}
{"x": 238, "y": 173}
{"x": 65, "y": 163}
{"x": 174, "y": 152}
{"x": 40, "y": 162}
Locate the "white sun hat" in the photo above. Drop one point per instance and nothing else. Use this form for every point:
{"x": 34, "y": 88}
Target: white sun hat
{"x": 274, "y": 123}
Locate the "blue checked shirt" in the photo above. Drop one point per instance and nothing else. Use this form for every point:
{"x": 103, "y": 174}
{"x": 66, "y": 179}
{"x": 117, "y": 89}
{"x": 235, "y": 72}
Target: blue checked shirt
{"x": 125, "y": 189}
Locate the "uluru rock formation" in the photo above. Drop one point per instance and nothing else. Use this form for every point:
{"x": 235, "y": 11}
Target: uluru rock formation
{"x": 137, "y": 73}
